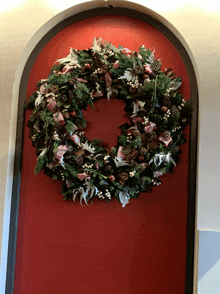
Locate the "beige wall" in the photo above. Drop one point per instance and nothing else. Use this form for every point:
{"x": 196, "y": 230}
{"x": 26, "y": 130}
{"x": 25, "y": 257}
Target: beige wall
{"x": 200, "y": 28}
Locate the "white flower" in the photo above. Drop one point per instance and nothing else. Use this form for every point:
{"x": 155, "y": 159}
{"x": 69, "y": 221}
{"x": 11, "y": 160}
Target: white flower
{"x": 88, "y": 147}
{"x": 119, "y": 162}
{"x": 72, "y": 57}
{"x": 38, "y": 99}
{"x": 96, "y": 45}
{"x": 127, "y": 75}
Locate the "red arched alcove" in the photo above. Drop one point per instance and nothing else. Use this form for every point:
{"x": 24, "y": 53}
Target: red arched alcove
{"x": 63, "y": 247}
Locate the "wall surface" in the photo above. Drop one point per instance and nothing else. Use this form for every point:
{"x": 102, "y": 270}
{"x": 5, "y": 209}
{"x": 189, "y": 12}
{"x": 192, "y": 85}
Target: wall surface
{"x": 198, "y": 22}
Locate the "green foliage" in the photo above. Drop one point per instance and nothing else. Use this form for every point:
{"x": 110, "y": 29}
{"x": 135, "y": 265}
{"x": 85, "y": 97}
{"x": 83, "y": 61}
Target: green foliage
{"x": 41, "y": 161}
{"x": 69, "y": 126}
{"x": 122, "y": 140}
{"x": 153, "y": 99}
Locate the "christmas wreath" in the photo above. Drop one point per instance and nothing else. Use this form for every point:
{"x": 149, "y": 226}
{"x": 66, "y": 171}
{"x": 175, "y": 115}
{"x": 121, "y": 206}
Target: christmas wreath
{"x": 148, "y": 145}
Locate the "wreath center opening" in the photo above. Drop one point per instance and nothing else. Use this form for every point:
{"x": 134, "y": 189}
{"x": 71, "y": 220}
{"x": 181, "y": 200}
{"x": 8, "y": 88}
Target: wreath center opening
{"x": 104, "y": 120}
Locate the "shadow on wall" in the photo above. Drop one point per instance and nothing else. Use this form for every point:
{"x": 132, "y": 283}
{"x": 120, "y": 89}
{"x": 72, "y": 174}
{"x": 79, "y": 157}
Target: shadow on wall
{"x": 209, "y": 251}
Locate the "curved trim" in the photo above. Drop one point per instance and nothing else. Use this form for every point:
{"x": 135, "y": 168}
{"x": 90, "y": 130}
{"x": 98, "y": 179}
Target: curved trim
{"x": 38, "y": 41}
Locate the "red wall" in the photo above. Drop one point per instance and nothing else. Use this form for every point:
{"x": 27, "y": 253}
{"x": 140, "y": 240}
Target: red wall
{"x": 67, "y": 248}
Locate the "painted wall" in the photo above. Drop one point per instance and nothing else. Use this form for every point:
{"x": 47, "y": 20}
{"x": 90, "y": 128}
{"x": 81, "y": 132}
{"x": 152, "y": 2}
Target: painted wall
{"x": 209, "y": 262}
{"x": 198, "y": 22}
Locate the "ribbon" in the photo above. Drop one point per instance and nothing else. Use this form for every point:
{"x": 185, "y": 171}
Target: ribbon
{"x": 120, "y": 153}
{"x": 42, "y": 152}
{"x": 150, "y": 127}
{"x": 58, "y": 117}
{"x": 61, "y": 150}
{"x": 84, "y": 191}
{"x": 124, "y": 198}
{"x": 108, "y": 80}
{"x": 75, "y": 138}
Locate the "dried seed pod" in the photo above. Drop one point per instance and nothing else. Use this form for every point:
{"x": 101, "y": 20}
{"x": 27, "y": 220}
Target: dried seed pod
{"x": 152, "y": 75}
{"x": 94, "y": 78}
{"x": 79, "y": 159}
{"x": 89, "y": 61}
{"x": 122, "y": 182}
{"x": 108, "y": 168}
{"x": 140, "y": 91}
{"x": 64, "y": 98}
{"x": 166, "y": 134}
{"x": 137, "y": 70}
{"x": 167, "y": 100}
{"x": 126, "y": 150}
{"x": 79, "y": 152}
{"x": 128, "y": 157}
{"x": 175, "y": 110}
{"x": 105, "y": 67}
{"x": 70, "y": 92}
{"x": 123, "y": 176}
{"x": 72, "y": 82}
{"x": 70, "y": 148}
{"x": 155, "y": 66}
{"x": 134, "y": 154}
{"x": 81, "y": 70}
{"x": 66, "y": 114}
{"x": 133, "y": 89}
{"x": 47, "y": 91}
{"x": 143, "y": 151}
{"x": 55, "y": 89}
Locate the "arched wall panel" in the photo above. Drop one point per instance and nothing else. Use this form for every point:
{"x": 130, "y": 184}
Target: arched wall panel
{"x": 146, "y": 247}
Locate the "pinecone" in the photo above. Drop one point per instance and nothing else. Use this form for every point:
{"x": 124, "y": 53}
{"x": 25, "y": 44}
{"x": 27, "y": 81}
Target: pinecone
{"x": 64, "y": 98}
{"x": 123, "y": 176}
{"x": 115, "y": 81}
{"x": 134, "y": 154}
{"x": 167, "y": 101}
{"x": 72, "y": 82}
{"x": 133, "y": 89}
{"x": 81, "y": 70}
{"x": 155, "y": 66}
{"x": 175, "y": 110}
{"x": 70, "y": 148}
{"x": 122, "y": 182}
{"x": 143, "y": 151}
{"x": 105, "y": 67}
{"x": 66, "y": 114}
{"x": 89, "y": 61}
{"x": 97, "y": 59}
{"x": 79, "y": 159}
{"x": 47, "y": 91}
{"x": 108, "y": 168}
{"x": 94, "y": 78}
{"x": 55, "y": 89}
{"x": 70, "y": 92}
{"x": 140, "y": 91}
{"x": 166, "y": 134}
{"x": 136, "y": 71}
{"x": 126, "y": 150}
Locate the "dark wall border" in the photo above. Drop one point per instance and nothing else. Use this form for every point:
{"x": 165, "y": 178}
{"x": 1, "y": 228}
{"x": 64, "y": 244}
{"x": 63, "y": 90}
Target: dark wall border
{"x": 192, "y": 147}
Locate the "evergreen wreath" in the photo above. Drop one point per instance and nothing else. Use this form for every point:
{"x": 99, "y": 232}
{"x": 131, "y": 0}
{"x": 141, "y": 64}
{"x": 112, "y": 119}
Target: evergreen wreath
{"x": 148, "y": 146}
